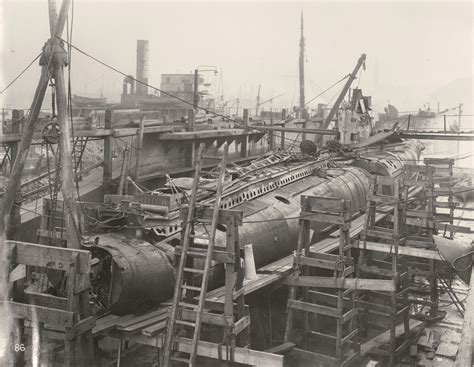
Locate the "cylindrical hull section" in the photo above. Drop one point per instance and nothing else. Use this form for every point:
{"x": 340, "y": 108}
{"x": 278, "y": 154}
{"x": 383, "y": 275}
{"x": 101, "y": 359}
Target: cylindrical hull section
{"x": 139, "y": 273}
{"x": 273, "y": 227}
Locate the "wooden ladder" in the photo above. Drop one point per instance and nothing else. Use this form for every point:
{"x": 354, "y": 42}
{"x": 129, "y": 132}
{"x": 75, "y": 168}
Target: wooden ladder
{"x": 187, "y": 252}
{"x": 386, "y": 191}
{"x": 324, "y": 296}
{"x": 78, "y": 148}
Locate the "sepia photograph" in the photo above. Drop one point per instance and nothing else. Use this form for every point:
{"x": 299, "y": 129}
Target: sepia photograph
{"x": 212, "y": 183}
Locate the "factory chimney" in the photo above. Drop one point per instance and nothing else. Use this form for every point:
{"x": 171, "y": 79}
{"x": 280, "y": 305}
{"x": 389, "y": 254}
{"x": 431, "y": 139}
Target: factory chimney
{"x": 142, "y": 67}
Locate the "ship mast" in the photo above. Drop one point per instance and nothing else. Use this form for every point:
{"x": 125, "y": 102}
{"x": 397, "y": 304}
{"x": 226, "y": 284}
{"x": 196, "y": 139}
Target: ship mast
{"x": 301, "y": 68}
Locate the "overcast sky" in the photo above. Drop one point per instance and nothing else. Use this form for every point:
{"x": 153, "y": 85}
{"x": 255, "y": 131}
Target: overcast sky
{"x": 414, "y": 49}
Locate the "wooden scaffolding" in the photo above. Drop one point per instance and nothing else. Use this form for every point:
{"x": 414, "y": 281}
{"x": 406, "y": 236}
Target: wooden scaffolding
{"x": 427, "y": 221}
{"x": 323, "y": 295}
{"x": 385, "y": 309}
{"x": 63, "y": 318}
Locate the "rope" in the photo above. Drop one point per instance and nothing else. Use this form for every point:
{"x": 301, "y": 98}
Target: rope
{"x": 19, "y": 75}
{"x": 324, "y": 91}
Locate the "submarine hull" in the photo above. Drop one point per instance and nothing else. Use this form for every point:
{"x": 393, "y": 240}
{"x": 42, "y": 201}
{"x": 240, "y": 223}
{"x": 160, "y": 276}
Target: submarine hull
{"x": 141, "y": 273}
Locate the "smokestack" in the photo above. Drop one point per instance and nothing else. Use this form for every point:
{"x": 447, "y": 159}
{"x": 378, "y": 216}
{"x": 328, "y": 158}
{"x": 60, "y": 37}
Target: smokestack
{"x": 142, "y": 67}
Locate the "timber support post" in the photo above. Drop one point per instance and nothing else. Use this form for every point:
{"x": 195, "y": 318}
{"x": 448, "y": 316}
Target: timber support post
{"x": 386, "y": 309}
{"x": 244, "y": 142}
{"x": 338, "y": 305}
{"x": 271, "y": 138}
{"x": 282, "y": 136}
{"x": 138, "y": 151}
{"x": 108, "y": 149}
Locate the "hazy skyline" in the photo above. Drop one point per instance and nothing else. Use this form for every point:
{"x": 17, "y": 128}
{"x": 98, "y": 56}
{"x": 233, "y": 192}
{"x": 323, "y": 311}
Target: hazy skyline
{"x": 414, "y": 49}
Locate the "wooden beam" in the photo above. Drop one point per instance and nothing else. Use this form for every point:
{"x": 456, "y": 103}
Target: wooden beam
{"x": 68, "y": 188}
{"x": 18, "y": 273}
{"x": 350, "y": 283}
{"x": 49, "y": 256}
{"x": 53, "y": 15}
{"x": 206, "y": 349}
{"x": 208, "y": 318}
{"x": 402, "y": 250}
{"x": 206, "y": 214}
{"x": 241, "y": 355}
{"x": 462, "y": 136}
{"x": 42, "y": 314}
{"x": 108, "y": 148}
{"x": 19, "y": 163}
{"x": 46, "y": 300}
{"x": 281, "y": 349}
{"x": 314, "y": 308}
{"x": 138, "y": 150}
{"x": 295, "y": 130}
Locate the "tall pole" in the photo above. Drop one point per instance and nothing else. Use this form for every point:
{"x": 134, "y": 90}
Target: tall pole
{"x": 258, "y": 101}
{"x": 196, "y": 93}
{"x": 301, "y": 68}
{"x": 459, "y": 126}
{"x": 49, "y": 51}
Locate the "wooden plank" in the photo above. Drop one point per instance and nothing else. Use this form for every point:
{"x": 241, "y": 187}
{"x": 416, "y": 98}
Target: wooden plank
{"x": 349, "y": 315}
{"x": 385, "y": 337}
{"x": 374, "y": 307}
{"x": 281, "y": 349}
{"x": 124, "y": 320}
{"x": 379, "y": 234}
{"x": 383, "y": 199}
{"x": 325, "y": 264}
{"x": 322, "y": 204}
{"x": 206, "y": 214}
{"x": 138, "y": 326}
{"x": 155, "y": 329}
{"x": 46, "y": 300}
{"x": 49, "y": 256}
{"x": 18, "y": 273}
{"x": 211, "y": 350}
{"x": 417, "y": 243}
{"x": 417, "y": 214}
{"x": 43, "y": 314}
{"x": 104, "y": 324}
{"x": 81, "y": 327}
{"x": 140, "y": 318}
{"x": 349, "y": 283}
{"x": 321, "y": 217}
{"x": 208, "y": 318}
{"x": 242, "y": 324}
{"x": 402, "y": 250}
{"x": 314, "y": 308}
{"x": 324, "y": 256}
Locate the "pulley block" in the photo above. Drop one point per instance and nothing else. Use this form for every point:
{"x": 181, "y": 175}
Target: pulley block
{"x": 51, "y": 133}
